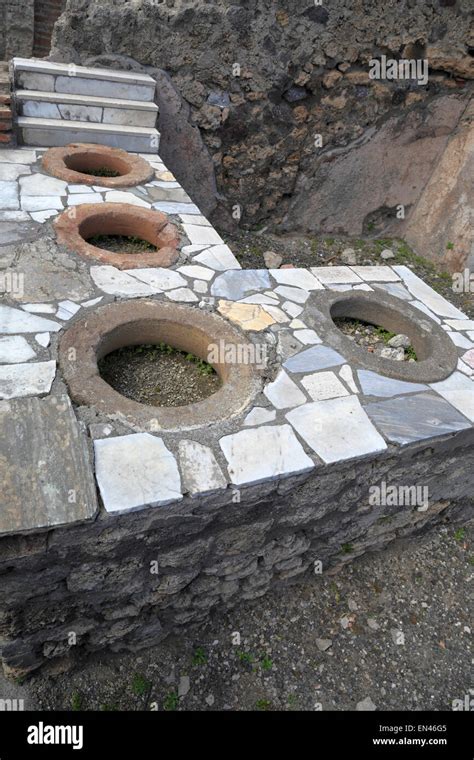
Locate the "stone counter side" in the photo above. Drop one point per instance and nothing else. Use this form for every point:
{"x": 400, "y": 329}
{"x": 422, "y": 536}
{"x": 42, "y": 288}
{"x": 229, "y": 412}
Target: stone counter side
{"x": 114, "y": 531}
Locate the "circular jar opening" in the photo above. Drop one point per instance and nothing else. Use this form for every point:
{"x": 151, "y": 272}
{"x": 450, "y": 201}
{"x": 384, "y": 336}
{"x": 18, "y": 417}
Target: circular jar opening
{"x": 133, "y": 237}
{"x": 90, "y": 164}
{"x": 434, "y": 354}
{"x": 90, "y": 347}
{"x": 158, "y": 374}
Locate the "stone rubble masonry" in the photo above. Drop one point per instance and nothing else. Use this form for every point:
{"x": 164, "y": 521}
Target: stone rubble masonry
{"x": 97, "y": 579}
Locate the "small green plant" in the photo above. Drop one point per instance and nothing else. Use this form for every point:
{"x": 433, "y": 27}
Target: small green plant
{"x": 102, "y": 171}
{"x": 384, "y": 334}
{"x": 329, "y": 241}
{"x": 449, "y": 246}
{"x": 266, "y": 662}
{"x": 263, "y": 704}
{"x": 171, "y": 702}
{"x": 199, "y": 657}
{"x": 460, "y": 534}
{"x": 140, "y": 685}
{"x": 347, "y": 548}
{"x": 76, "y": 701}
{"x": 108, "y": 707}
{"x": 246, "y": 657}
{"x": 371, "y": 226}
{"x": 411, "y": 353}
{"x": 292, "y": 701}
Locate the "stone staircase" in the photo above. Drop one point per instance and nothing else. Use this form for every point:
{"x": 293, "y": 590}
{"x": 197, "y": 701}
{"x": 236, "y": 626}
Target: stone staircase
{"x": 6, "y": 134}
{"x": 58, "y": 104}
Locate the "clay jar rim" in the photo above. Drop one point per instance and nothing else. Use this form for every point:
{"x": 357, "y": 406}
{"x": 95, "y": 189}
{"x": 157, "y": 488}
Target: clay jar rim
{"x": 74, "y": 225}
{"x": 437, "y": 356}
{"x": 187, "y": 328}
{"x": 59, "y": 162}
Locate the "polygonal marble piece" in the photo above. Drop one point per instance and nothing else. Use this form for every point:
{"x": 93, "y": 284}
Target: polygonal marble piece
{"x": 307, "y": 337}
{"x": 395, "y": 289}
{"x": 135, "y": 471}
{"x": 292, "y": 294}
{"x": 14, "y": 349}
{"x": 80, "y": 198}
{"x": 414, "y": 418}
{"x": 45, "y": 469}
{"x": 422, "y": 307}
{"x": 460, "y": 340}
{"x": 283, "y": 454}
{"x": 18, "y": 156}
{"x": 158, "y": 278}
{"x": 67, "y": 309}
{"x": 182, "y": 294}
{"x": 298, "y": 278}
{"x": 314, "y": 358}
{"x": 459, "y": 391}
{"x": 259, "y": 416}
{"x": 376, "y": 273}
{"x": 43, "y": 339}
{"x": 238, "y": 282}
{"x": 43, "y": 216}
{"x": 9, "y": 195}
{"x": 41, "y": 203}
{"x": 422, "y": 292}
{"x": 13, "y": 171}
{"x": 120, "y": 196}
{"x": 171, "y": 207}
{"x": 336, "y": 275}
{"x": 19, "y": 380}
{"x": 346, "y": 373}
{"x": 118, "y": 283}
{"x": 323, "y": 385}
{"x": 18, "y": 321}
{"x": 197, "y": 271}
{"x": 337, "y": 429}
{"x": 373, "y": 384}
{"x": 461, "y": 324}
{"x": 468, "y": 358}
{"x": 218, "y": 257}
{"x": 42, "y": 184}
{"x": 200, "y": 470}
{"x": 283, "y": 393}
{"x": 198, "y": 234}
{"x": 246, "y": 315}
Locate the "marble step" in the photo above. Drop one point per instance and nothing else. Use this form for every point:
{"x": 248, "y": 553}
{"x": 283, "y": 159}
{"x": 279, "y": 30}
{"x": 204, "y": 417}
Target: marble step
{"x": 56, "y": 105}
{"x": 41, "y": 75}
{"x": 56, "y": 133}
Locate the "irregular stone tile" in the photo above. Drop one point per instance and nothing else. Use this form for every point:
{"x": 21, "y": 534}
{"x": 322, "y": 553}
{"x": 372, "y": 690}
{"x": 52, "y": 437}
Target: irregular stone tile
{"x": 120, "y": 196}
{"x": 92, "y": 302}
{"x": 42, "y": 184}
{"x": 346, "y": 373}
{"x": 14, "y": 349}
{"x": 298, "y": 278}
{"x": 362, "y": 287}
{"x": 261, "y": 299}
{"x": 314, "y": 358}
{"x": 135, "y": 471}
{"x": 465, "y": 368}
{"x": 159, "y": 278}
{"x": 80, "y": 198}
{"x": 284, "y": 455}
{"x": 468, "y": 358}
{"x": 45, "y": 469}
{"x": 39, "y": 308}
{"x": 18, "y": 321}
{"x": 323, "y": 385}
{"x": 414, "y": 418}
{"x": 218, "y": 257}
{"x": 182, "y": 294}
{"x": 200, "y": 470}
{"x": 335, "y": 275}
{"x": 395, "y": 289}
{"x": 238, "y": 282}
{"x": 283, "y": 393}
{"x": 422, "y": 292}
{"x": 307, "y": 337}
{"x": 43, "y": 216}
{"x": 188, "y": 249}
{"x": 17, "y": 156}
{"x": 246, "y": 315}
{"x": 176, "y": 208}
{"x": 41, "y": 203}
{"x": 460, "y": 340}
{"x": 194, "y": 270}
{"x": 470, "y": 335}
{"x": 14, "y": 216}
{"x": 18, "y": 380}
{"x": 292, "y": 309}
{"x": 459, "y": 391}
{"x": 13, "y": 171}
{"x": 67, "y": 309}
{"x": 297, "y": 324}
{"x": 336, "y": 429}
{"x": 373, "y": 384}
{"x": 376, "y": 273}
{"x": 198, "y": 234}
{"x": 461, "y": 324}
{"x": 81, "y": 189}
{"x": 196, "y": 219}
{"x": 339, "y": 288}
{"x": 292, "y": 294}
{"x": 259, "y": 416}
{"x": 9, "y": 195}
{"x": 200, "y": 286}
{"x": 277, "y": 314}
{"x": 43, "y": 339}
{"x": 118, "y": 283}
{"x": 422, "y": 307}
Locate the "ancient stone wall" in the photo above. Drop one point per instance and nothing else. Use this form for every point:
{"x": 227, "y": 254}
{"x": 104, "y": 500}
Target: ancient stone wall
{"x": 26, "y": 27}
{"x": 126, "y": 581}
{"x": 246, "y": 89}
